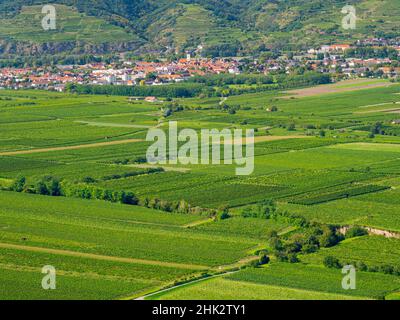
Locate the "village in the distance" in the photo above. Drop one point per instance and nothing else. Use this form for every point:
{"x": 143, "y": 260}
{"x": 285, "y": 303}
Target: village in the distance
{"x": 375, "y": 57}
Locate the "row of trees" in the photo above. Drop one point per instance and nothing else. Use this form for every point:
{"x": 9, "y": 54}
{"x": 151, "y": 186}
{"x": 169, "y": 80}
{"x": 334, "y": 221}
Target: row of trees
{"x": 315, "y": 237}
{"x": 333, "y": 262}
{"x": 230, "y": 79}
{"x": 308, "y": 78}
{"x": 282, "y": 80}
{"x": 268, "y": 210}
{"x": 231, "y": 49}
{"x": 382, "y": 129}
{"x": 208, "y": 86}
{"x": 183, "y": 207}
{"x": 133, "y": 174}
{"x": 263, "y": 210}
{"x": 52, "y": 60}
{"x": 183, "y": 90}
{"x": 51, "y": 186}
{"x": 85, "y": 191}
{"x": 44, "y": 186}
{"x": 372, "y": 52}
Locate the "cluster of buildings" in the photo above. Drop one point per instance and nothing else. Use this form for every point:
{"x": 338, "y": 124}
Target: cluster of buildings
{"x": 331, "y": 59}
{"x": 123, "y": 73}
{"x": 355, "y": 67}
{"x": 39, "y": 78}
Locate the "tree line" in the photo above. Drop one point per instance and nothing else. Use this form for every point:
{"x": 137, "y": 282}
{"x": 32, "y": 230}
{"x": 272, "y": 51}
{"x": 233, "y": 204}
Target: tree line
{"x": 372, "y": 52}
{"x": 184, "y": 90}
{"x": 231, "y": 79}
{"x": 281, "y": 80}
{"x": 51, "y": 60}
{"x": 53, "y": 186}
{"x": 286, "y": 249}
{"x": 205, "y": 86}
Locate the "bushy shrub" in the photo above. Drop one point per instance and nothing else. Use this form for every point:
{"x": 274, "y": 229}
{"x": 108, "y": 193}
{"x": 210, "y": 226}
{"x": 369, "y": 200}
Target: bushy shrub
{"x": 387, "y": 269}
{"x": 361, "y": 266}
{"x": 18, "y": 184}
{"x": 356, "y": 232}
{"x": 332, "y": 262}
{"x": 88, "y": 180}
{"x": 49, "y": 186}
{"x": 264, "y": 259}
{"x": 292, "y": 258}
{"x": 223, "y": 215}
{"x": 329, "y": 237}
{"x": 263, "y": 210}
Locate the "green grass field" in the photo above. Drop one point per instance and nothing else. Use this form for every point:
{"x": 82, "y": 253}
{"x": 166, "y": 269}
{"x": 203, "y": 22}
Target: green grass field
{"x": 286, "y": 282}
{"x": 372, "y": 250}
{"x": 223, "y": 289}
{"x": 106, "y": 250}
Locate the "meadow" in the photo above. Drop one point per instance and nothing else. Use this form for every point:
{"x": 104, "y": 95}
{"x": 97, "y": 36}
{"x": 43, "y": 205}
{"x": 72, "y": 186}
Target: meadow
{"x": 223, "y": 289}
{"x": 79, "y": 226}
{"x": 374, "y": 251}
{"x": 315, "y": 158}
{"x": 282, "y": 281}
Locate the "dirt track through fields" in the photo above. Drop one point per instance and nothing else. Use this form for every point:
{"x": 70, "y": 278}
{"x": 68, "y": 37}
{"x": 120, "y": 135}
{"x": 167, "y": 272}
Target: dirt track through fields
{"x": 113, "y": 125}
{"x": 260, "y": 139}
{"x": 82, "y": 146}
{"x": 344, "y": 86}
{"x": 186, "y": 284}
{"x": 101, "y": 257}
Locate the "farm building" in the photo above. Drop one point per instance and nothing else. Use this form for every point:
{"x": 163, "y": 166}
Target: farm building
{"x": 151, "y": 99}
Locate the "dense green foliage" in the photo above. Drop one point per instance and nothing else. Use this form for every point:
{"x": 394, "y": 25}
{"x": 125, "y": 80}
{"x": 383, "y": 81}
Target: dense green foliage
{"x": 224, "y": 28}
{"x": 367, "y": 253}
{"x": 335, "y": 194}
{"x": 186, "y": 90}
{"x": 205, "y": 86}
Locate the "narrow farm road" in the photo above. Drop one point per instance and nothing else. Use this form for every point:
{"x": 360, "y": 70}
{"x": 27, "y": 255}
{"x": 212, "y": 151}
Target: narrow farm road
{"x": 224, "y": 271}
{"x": 102, "y": 257}
{"x": 184, "y": 284}
{"x": 81, "y": 146}
{"x": 113, "y": 125}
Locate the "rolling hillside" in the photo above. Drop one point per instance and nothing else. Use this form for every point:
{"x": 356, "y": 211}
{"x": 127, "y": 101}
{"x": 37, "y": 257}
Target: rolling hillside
{"x": 228, "y": 27}
{"x": 76, "y": 33}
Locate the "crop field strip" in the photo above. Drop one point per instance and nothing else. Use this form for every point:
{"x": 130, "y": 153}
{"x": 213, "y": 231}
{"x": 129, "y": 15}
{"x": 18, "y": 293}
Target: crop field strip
{"x": 100, "y": 257}
{"x": 343, "y": 178}
{"x": 223, "y": 289}
{"x": 78, "y": 277}
{"x": 83, "y": 146}
{"x": 371, "y": 250}
{"x": 103, "y": 237}
{"x": 286, "y": 281}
